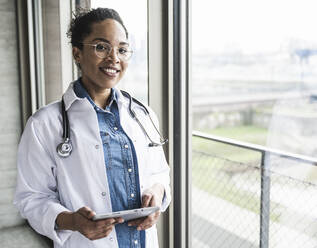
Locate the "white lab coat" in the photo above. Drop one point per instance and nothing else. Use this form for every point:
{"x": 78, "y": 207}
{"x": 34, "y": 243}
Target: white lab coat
{"x": 48, "y": 184}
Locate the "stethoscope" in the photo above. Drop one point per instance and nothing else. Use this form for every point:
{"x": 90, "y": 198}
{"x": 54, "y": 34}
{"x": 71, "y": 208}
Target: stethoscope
{"x": 65, "y": 148}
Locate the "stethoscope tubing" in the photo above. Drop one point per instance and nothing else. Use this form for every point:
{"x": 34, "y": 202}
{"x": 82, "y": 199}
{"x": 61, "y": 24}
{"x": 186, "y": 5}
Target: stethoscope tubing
{"x": 134, "y": 116}
{"x": 65, "y": 121}
{"x": 65, "y": 148}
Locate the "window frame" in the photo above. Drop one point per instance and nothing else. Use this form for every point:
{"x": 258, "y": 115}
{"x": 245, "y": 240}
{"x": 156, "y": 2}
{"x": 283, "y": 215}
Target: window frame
{"x": 160, "y": 82}
{"x": 182, "y": 130}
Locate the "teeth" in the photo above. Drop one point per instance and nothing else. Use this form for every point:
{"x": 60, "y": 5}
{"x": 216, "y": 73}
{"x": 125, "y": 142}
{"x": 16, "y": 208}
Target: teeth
{"x": 110, "y": 70}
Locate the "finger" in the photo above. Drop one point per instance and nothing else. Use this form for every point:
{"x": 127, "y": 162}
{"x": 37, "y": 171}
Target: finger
{"x": 104, "y": 223}
{"x": 83, "y": 224}
{"x": 86, "y": 212}
{"x": 153, "y": 202}
{"x": 146, "y": 198}
{"x": 92, "y": 227}
{"x": 149, "y": 221}
{"x": 136, "y": 222}
{"x": 119, "y": 220}
{"x": 146, "y": 227}
{"x": 156, "y": 214}
{"x": 104, "y": 232}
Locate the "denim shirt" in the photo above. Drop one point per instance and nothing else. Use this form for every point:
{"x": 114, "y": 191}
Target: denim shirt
{"x": 121, "y": 166}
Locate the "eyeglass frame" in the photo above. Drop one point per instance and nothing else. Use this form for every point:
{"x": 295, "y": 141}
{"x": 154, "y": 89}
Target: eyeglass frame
{"x": 95, "y": 48}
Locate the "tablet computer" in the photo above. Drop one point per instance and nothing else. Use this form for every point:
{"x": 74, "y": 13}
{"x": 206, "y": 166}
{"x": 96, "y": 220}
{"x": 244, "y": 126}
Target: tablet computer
{"x": 128, "y": 214}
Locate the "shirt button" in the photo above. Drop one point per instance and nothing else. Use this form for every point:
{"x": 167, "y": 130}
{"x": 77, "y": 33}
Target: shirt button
{"x": 115, "y": 128}
{"x": 135, "y": 242}
{"x": 111, "y": 239}
{"x": 126, "y": 146}
{"x": 129, "y": 170}
{"x": 132, "y": 195}
{"x": 97, "y": 146}
{"x": 103, "y": 193}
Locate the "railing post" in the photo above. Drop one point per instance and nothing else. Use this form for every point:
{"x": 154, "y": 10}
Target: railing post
{"x": 265, "y": 175}
{"x": 265, "y": 203}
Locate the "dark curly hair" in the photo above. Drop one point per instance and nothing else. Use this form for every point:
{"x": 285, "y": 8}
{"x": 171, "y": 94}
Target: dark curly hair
{"x": 80, "y": 26}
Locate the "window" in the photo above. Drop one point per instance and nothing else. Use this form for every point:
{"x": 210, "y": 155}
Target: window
{"x": 254, "y": 72}
{"x": 136, "y": 79}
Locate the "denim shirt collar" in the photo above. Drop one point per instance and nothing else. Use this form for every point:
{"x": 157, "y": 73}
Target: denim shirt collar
{"x": 81, "y": 92}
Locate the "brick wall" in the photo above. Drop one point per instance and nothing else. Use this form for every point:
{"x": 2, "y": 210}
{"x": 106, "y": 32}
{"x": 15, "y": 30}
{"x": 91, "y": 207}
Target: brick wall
{"x": 10, "y": 120}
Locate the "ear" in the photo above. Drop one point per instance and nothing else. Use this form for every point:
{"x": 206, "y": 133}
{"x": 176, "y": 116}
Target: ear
{"x": 76, "y": 54}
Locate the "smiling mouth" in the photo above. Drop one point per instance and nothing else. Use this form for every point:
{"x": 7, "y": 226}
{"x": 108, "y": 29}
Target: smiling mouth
{"x": 111, "y": 72}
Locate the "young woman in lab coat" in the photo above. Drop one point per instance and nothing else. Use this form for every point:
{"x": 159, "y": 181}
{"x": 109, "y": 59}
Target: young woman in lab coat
{"x": 111, "y": 166}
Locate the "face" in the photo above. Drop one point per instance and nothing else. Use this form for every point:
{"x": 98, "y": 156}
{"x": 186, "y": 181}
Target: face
{"x": 102, "y": 73}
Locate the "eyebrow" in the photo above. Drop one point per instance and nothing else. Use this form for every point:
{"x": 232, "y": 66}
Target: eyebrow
{"x": 104, "y": 40}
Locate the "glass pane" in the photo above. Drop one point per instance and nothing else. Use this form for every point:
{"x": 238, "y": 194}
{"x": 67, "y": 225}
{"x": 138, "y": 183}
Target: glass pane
{"x": 135, "y": 80}
{"x": 254, "y": 70}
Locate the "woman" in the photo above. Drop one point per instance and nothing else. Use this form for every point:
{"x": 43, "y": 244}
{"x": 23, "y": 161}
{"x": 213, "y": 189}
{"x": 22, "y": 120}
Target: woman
{"x": 111, "y": 166}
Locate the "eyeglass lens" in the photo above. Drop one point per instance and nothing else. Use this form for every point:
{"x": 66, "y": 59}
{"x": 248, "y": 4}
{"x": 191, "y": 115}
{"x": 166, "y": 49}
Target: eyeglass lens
{"x": 104, "y": 49}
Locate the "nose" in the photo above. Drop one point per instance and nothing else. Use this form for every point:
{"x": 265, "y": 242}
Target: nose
{"x": 113, "y": 56}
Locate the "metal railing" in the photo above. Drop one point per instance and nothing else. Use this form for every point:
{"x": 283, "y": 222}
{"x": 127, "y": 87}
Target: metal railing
{"x": 265, "y": 174}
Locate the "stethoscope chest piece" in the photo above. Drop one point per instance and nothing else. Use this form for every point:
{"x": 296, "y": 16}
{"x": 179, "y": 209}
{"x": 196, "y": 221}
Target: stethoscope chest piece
{"x": 64, "y": 149}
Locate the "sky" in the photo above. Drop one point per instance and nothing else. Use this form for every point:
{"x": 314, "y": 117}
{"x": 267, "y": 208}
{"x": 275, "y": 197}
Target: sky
{"x": 133, "y": 14}
{"x": 250, "y": 26}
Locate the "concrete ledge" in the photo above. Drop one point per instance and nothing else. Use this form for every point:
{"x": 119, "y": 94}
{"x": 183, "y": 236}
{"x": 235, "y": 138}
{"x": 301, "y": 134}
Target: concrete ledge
{"x": 22, "y": 237}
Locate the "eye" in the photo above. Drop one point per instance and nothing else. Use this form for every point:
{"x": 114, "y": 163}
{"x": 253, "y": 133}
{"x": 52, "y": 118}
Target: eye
{"x": 101, "y": 47}
{"x": 123, "y": 50}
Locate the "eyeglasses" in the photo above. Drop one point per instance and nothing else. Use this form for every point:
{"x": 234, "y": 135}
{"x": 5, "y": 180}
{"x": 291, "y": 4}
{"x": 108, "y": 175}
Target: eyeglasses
{"x": 103, "y": 50}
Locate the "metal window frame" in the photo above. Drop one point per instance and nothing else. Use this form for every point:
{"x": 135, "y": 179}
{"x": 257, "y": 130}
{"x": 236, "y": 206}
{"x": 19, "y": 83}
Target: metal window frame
{"x": 36, "y": 54}
{"x": 182, "y": 123}
{"x": 169, "y": 94}
{"x": 159, "y": 87}
{"x": 31, "y": 57}
{"x": 31, "y": 53}
{"x": 23, "y": 54}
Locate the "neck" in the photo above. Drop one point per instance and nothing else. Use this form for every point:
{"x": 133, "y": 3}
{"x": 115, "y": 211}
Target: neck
{"x": 100, "y": 96}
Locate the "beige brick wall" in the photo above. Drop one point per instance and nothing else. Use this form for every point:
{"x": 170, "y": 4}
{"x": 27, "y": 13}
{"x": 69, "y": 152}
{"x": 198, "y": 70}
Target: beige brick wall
{"x": 10, "y": 120}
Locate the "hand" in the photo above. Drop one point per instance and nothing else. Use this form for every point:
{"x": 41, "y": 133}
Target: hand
{"x": 151, "y": 198}
{"x": 81, "y": 221}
